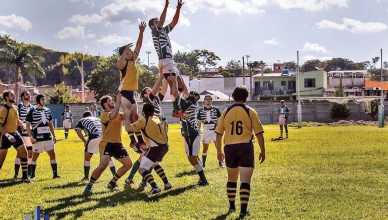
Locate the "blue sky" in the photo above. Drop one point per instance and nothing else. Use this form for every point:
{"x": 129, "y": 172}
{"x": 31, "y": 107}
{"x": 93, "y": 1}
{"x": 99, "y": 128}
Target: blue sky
{"x": 268, "y": 30}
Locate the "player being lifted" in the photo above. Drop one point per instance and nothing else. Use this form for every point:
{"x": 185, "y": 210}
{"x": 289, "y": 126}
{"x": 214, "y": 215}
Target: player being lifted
{"x": 110, "y": 144}
{"x": 9, "y": 122}
{"x": 40, "y": 120}
{"x": 282, "y": 118}
{"x": 67, "y": 119}
{"x": 129, "y": 84}
{"x": 92, "y": 126}
{"x": 209, "y": 116}
{"x": 23, "y": 109}
{"x": 155, "y": 135}
{"x": 190, "y": 129}
{"x": 155, "y": 98}
{"x": 239, "y": 124}
{"x": 162, "y": 46}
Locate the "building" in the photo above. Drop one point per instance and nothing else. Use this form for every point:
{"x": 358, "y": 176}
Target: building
{"x": 273, "y": 86}
{"x": 216, "y": 95}
{"x": 374, "y": 88}
{"x": 312, "y": 84}
{"x": 353, "y": 82}
{"x": 225, "y": 85}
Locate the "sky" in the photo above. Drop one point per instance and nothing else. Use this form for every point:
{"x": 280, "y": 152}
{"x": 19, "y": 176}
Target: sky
{"x": 268, "y": 30}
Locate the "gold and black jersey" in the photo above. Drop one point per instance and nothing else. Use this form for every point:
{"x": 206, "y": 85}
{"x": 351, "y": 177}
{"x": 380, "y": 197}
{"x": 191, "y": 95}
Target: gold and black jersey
{"x": 111, "y": 129}
{"x": 239, "y": 123}
{"x": 153, "y": 130}
{"x": 129, "y": 76}
{"x": 10, "y": 121}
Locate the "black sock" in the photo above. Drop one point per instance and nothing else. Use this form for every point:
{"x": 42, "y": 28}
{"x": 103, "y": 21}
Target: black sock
{"x": 54, "y": 167}
{"x": 24, "y": 164}
{"x": 86, "y": 171}
{"x": 113, "y": 170}
{"x": 202, "y": 176}
{"x": 132, "y": 137}
{"x": 115, "y": 178}
{"x": 160, "y": 171}
{"x": 231, "y": 188}
{"x": 33, "y": 168}
{"x": 17, "y": 167}
{"x": 149, "y": 178}
{"x": 29, "y": 169}
{"x": 245, "y": 191}
{"x": 204, "y": 159}
{"x": 92, "y": 181}
{"x": 139, "y": 137}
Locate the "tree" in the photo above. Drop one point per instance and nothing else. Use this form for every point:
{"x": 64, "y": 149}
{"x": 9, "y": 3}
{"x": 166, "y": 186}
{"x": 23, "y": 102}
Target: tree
{"x": 234, "y": 67}
{"x": 20, "y": 56}
{"x": 290, "y": 66}
{"x": 339, "y": 111}
{"x": 146, "y": 77}
{"x": 194, "y": 59}
{"x": 310, "y": 65}
{"x": 374, "y": 61}
{"x": 374, "y": 109}
{"x": 62, "y": 94}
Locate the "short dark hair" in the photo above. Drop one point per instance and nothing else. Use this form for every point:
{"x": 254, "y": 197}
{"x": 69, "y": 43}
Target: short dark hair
{"x": 121, "y": 50}
{"x": 148, "y": 109}
{"x": 22, "y": 94}
{"x": 87, "y": 114}
{"x": 143, "y": 92}
{"x": 240, "y": 94}
{"x": 104, "y": 100}
{"x": 208, "y": 95}
{"x": 151, "y": 21}
{"x": 6, "y": 94}
{"x": 67, "y": 106}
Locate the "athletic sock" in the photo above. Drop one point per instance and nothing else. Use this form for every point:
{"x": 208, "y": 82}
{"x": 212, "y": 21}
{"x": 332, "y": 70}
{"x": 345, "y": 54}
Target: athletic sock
{"x": 29, "y": 160}
{"x": 66, "y": 134}
{"x": 132, "y": 137}
{"x": 245, "y": 191}
{"x": 199, "y": 170}
{"x": 149, "y": 178}
{"x": 91, "y": 181}
{"x": 281, "y": 133}
{"x": 24, "y": 164}
{"x": 86, "y": 168}
{"x": 160, "y": 171}
{"x": 33, "y": 168}
{"x": 112, "y": 167}
{"x": 134, "y": 169}
{"x": 54, "y": 167}
{"x": 115, "y": 178}
{"x": 204, "y": 155}
{"x": 139, "y": 137}
{"x": 231, "y": 188}
{"x": 17, "y": 166}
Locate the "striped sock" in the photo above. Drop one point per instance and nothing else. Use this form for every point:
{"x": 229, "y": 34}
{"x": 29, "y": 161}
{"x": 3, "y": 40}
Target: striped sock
{"x": 112, "y": 167}
{"x": 149, "y": 178}
{"x": 139, "y": 137}
{"x": 245, "y": 191}
{"x": 86, "y": 168}
{"x": 115, "y": 178}
{"x": 134, "y": 169}
{"x": 281, "y": 133}
{"x": 92, "y": 181}
{"x": 132, "y": 137}
{"x": 231, "y": 188}
{"x": 24, "y": 164}
{"x": 17, "y": 166}
{"x": 160, "y": 171}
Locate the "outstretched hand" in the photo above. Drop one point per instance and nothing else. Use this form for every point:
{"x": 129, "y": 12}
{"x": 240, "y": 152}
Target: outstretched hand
{"x": 180, "y": 3}
{"x": 166, "y": 4}
{"x": 142, "y": 26}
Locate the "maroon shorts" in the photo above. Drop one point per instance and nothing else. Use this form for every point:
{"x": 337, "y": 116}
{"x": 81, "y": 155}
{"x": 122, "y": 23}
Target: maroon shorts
{"x": 156, "y": 154}
{"x": 239, "y": 155}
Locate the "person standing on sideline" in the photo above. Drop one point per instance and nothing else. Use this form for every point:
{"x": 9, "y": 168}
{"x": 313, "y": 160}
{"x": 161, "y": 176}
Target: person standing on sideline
{"x": 282, "y": 118}
{"x": 238, "y": 125}
{"x": 67, "y": 119}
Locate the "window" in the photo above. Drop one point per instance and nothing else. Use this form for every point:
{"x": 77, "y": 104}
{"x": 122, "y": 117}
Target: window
{"x": 283, "y": 83}
{"x": 266, "y": 85}
{"x": 309, "y": 83}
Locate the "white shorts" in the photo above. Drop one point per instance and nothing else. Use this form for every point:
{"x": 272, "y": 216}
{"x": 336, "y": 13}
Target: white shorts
{"x": 168, "y": 65}
{"x": 146, "y": 163}
{"x": 91, "y": 146}
{"x": 41, "y": 146}
{"x": 192, "y": 145}
{"x": 282, "y": 121}
{"x": 208, "y": 136}
{"x": 27, "y": 141}
{"x": 67, "y": 123}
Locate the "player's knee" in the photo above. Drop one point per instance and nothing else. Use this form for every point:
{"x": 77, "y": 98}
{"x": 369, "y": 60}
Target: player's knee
{"x": 134, "y": 117}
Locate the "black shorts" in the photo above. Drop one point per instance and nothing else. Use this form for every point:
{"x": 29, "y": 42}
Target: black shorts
{"x": 5, "y": 143}
{"x": 166, "y": 75}
{"x": 22, "y": 132}
{"x": 156, "y": 154}
{"x": 239, "y": 155}
{"x": 130, "y": 95}
{"x": 115, "y": 150}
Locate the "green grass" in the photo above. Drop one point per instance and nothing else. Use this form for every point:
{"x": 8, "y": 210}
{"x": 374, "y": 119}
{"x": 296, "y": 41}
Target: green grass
{"x": 318, "y": 173}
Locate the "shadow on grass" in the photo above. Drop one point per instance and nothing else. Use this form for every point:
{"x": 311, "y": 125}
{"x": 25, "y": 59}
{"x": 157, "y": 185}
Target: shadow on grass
{"x": 9, "y": 183}
{"x": 186, "y": 173}
{"x": 119, "y": 198}
{"x": 221, "y": 217}
{"x": 68, "y": 185}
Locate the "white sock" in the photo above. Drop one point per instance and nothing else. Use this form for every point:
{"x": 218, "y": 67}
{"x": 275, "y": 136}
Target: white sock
{"x": 53, "y": 161}
{"x": 198, "y": 168}
{"x": 17, "y": 160}
{"x": 111, "y": 163}
{"x": 87, "y": 163}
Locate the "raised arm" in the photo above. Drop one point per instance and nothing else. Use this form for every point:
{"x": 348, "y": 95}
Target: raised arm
{"x": 162, "y": 18}
{"x": 177, "y": 13}
{"x": 139, "y": 42}
{"x": 164, "y": 88}
{"x": 121, "y": 63}
{"x": 156, "y": 86}
{"x": 113, "y": 114}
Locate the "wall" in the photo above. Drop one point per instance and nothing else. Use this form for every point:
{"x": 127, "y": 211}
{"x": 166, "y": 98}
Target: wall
{"x": 320, "y": 77}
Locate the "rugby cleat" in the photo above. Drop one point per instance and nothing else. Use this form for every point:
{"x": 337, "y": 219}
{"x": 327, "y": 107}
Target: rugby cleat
{"x": 112, "y": 185}
{"x": 203, "y": 183}
{"x": 167, "y": 186}
{"x": 155, "y": 190}
{"x": 243, "y": 215}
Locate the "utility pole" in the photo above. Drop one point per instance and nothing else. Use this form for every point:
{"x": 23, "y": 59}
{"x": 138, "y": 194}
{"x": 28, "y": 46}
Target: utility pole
{"x": 148, "y": 55}
{"x": 299, "y": 108}
{"x": 243, "y": 70}
{"x": 381, "y": 107}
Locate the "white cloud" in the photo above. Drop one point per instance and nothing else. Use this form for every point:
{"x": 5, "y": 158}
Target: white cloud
{"x": 227, "y": 6}
{"x": 311, "y": 5}
{"x": 272, "y": 42}
{"x": 114, "y": 39}
{"x": 182, "y": 48}
{"x": 86, "y": 19}
{"x": 78, "y": 32}
{"x": 313, "y": 47}
{"x": 354, "y": 26}
{"x": 88, "y": 2}
{"x": 3, "y": 32}
{"x": 16, "y": 22}
{"x": 310, "y": 57}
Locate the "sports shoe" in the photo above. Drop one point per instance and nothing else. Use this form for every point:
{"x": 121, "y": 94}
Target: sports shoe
{"x": 155, "y": 190}
{"x": 32, "y": 177}
{"x": 243, "y": 215}
{"x": 85, "y": 178}
{"x": 56, "y": 177}
{"x": 167, "y": 186}
{"x": 88, "y": 191}
{"x": 221, "y": 165}
{"x": 203, "y": 183}
{"x": 15, "y": 178}
{"x": 27, "y": 180}
{"x": 231, "y": 210}
{"x": 112, "y": 185}
{"x": 129, "y": 182}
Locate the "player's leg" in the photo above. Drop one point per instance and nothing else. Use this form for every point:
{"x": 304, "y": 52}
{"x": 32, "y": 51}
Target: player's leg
{"x": 120, "y": 154}
{"x": 134, "y": 117}
{"x": 35, "y": 156}
{"x": 17, "y": 168}
{"x": 66, "y": 126}
{"x": 245, "y": 189}
{"x": 193, "y": 145}
{"x": 231, "y": 187}
{"x": 112, "y": 167}
{"x": 53, "y": 161}
{"x": 27, "y": 142}
{"x": 3, "y": 155}
{"x": 220, "y": 162}
{"x": 145, "y": 165}
{"x": 281, "y": 130}
{"x": 286, "y": 129}
{"x": 156, "y": 154}
{"x": 204, "y": 153}
{"x": 104, "y": 162}
{"x": 134, "y": 170}
{"x": 87, "y": 157}
{"x": 127, "y": 104}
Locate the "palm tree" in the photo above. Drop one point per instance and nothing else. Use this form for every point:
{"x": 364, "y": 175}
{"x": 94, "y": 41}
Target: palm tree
{"x": 21, "y": 57}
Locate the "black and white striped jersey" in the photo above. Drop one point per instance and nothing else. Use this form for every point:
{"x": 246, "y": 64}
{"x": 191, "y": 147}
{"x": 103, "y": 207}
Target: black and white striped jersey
{"x": 209, "y": 117}
{"x": 67, "y": 115}
{"x": 92, "y": 125}
{"x": 23, "y": 111}
{"x": 39, "y": 119}
{"x": 155, "y": 101}
{"x": 162, "y": 42}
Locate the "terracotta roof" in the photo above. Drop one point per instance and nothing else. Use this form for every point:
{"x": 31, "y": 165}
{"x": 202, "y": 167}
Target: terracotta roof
{"x": 375, "y": 84}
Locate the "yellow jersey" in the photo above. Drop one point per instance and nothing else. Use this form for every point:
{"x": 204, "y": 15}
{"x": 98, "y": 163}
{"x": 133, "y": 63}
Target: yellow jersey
{"x": 111, "y": 129}
{"x": 153, "y": 130}
{"x": 239, "y": 123}
{"x": 11, "y": 125}
{"x": 129, "y": 76}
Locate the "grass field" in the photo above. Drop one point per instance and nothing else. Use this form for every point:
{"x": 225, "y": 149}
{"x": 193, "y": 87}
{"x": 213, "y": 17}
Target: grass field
{"x": 318, "y": 173}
